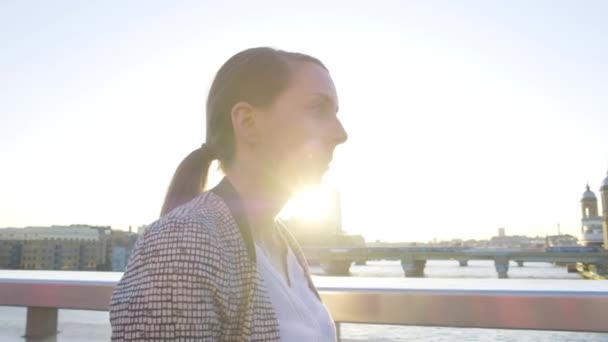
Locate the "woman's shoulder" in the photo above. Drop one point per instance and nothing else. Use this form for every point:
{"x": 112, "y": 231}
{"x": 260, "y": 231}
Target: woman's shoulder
{"x": 202, "y": 218}
{"x": 205, "y": 205}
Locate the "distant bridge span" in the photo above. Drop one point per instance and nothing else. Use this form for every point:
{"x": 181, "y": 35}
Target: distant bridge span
{"x": 337, "y": 261}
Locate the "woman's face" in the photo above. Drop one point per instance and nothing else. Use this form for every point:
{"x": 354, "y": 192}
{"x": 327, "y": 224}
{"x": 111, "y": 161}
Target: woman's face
{"x": 300, "y": 130}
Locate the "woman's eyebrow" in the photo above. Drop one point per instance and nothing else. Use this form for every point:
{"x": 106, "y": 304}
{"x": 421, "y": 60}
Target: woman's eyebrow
{"x": 327, "y": 99}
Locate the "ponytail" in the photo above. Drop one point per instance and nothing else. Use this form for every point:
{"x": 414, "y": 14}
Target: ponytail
{"x": 189, "y": 179}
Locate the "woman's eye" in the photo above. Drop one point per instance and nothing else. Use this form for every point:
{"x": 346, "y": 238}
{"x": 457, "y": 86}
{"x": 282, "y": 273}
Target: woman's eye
{"x": 319, "y": 107}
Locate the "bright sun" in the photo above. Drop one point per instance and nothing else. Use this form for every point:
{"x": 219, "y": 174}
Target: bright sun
{"x": 313, "y": 204}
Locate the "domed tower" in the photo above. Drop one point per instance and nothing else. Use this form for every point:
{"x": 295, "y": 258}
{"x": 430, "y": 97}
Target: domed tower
{"x": 591, "y": 222}
{"x": 604, "y": 195}
{"x": 589, "y": 204}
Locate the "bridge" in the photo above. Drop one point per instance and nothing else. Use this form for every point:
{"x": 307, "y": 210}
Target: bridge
{"x": 337, "y": 261}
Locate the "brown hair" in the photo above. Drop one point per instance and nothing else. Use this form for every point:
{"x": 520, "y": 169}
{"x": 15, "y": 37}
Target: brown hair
{"x": 256, "y": 76}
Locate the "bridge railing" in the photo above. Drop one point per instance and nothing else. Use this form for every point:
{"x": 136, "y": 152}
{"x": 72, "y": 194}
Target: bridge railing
{"x": 565, "y": 305}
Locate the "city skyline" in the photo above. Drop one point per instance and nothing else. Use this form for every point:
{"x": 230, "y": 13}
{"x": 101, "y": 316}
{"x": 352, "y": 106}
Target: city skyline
{"x": 462, "y": 118}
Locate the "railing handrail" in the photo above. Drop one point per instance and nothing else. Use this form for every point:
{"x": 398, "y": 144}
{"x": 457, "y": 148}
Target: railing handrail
{"x": 570, "y": 305}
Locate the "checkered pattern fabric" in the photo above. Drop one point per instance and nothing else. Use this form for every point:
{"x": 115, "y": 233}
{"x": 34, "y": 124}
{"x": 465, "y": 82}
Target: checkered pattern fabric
{"x": 192, "y": 276}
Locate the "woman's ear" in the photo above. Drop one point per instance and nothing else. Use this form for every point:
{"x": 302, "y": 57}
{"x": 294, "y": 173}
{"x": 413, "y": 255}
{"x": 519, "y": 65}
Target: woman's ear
{"x": 244, "y": 123}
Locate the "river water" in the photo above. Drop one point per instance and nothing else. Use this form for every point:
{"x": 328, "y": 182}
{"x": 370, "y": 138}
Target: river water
{"x": 78, "y": 325}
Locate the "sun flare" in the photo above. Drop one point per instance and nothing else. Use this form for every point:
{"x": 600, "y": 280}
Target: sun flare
{"x": 312, "y": 204}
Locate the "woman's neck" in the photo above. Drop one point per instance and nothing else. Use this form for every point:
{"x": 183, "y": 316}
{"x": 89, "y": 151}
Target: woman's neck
{"x": 262, "y": 201}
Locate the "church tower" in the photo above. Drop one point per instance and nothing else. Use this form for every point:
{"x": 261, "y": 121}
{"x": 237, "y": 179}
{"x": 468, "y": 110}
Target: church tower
{"x": 589, "y": 204}
{"x": 604, "y": 195}
{"x": 591, "y": 222}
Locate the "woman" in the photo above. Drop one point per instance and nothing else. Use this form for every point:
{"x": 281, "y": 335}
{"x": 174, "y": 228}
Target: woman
{"x": 217, "y": 266}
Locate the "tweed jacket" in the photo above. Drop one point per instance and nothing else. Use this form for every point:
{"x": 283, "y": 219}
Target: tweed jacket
{"x": 192, "y": 276}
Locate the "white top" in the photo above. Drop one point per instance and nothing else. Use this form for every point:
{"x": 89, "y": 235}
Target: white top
{"x": 301, "y": 315}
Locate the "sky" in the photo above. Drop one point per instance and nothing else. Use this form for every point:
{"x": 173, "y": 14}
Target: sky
{"x": 463, "y": 117}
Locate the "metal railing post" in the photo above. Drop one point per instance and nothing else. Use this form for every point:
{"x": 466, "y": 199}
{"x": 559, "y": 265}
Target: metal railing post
{"x": 40, "y": 322}
{"x": 338, "y": 338}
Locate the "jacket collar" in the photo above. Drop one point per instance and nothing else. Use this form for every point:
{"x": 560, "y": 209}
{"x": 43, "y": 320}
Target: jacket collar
{"x": 230, "y": 196}
{"x": 226, "y": 191}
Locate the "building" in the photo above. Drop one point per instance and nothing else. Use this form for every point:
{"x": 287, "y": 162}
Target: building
{"x": 511, "y": 241}
{"x": 604, "y": 192}
{"x": 10, "y": 254}
{"x": 51, "y": 248}
{"x": 594, "y": 227}
{"x": 141, "y": 230}
{"x": 501, "y": 232}
{"x": 560, "y": 240}
{"x": 105, "y": 249}
{"x": 120, "y": 257}
{"x": 122, "y": 243}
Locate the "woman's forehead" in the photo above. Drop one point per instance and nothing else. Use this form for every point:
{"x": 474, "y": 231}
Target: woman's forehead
{"x": 312, "y": 80}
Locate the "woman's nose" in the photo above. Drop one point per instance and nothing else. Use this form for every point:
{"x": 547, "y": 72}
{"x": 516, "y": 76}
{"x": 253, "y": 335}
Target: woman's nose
{"x": 339, "y": 134}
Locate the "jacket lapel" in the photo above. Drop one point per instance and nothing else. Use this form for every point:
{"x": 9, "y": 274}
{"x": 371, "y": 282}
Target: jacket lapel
{"x": 230, "y": 196}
